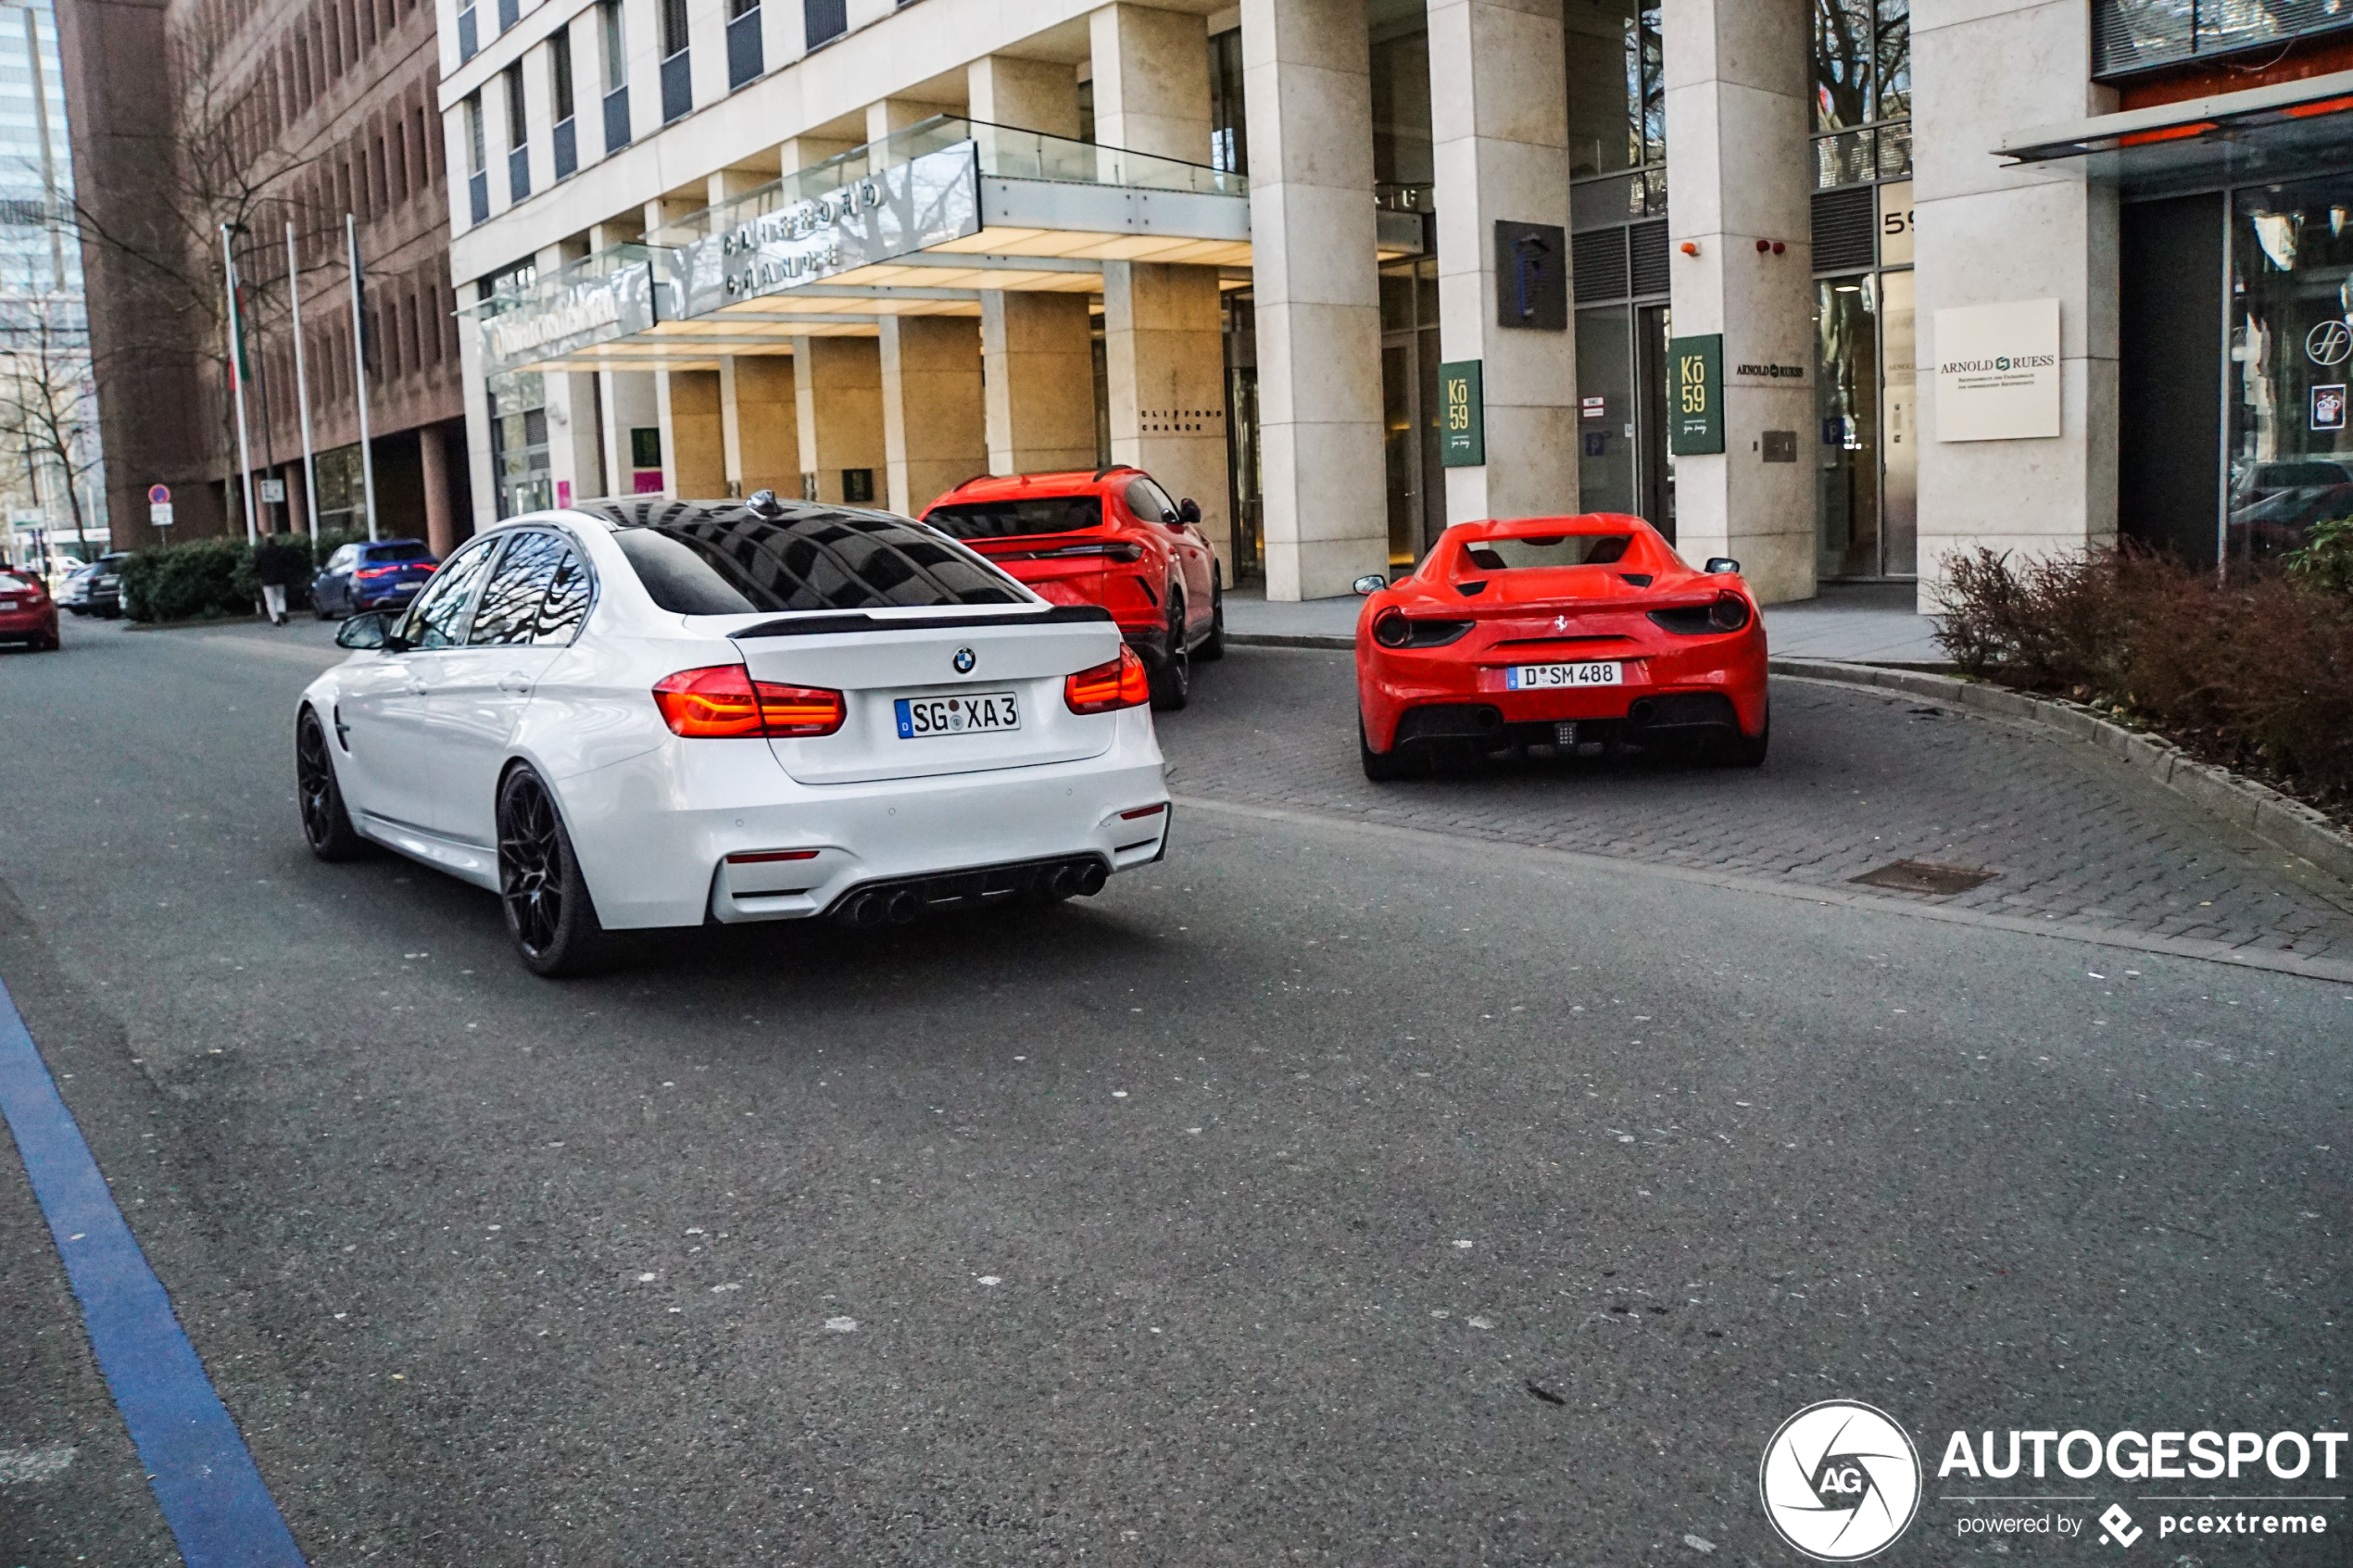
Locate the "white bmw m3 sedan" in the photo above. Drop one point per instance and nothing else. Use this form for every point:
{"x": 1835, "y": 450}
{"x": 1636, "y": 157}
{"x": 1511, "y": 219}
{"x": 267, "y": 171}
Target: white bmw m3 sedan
{"x": 660, "y": 713}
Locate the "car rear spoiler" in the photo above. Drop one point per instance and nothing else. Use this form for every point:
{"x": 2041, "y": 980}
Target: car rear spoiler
{"x": 829, "y": 625}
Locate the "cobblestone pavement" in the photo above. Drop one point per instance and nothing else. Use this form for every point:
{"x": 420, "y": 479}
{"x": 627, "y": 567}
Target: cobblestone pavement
{"x": 1856, "y": 780}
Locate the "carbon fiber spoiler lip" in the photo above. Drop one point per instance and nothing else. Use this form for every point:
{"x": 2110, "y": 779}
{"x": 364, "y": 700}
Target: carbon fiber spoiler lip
{"x": 837, "y": 624}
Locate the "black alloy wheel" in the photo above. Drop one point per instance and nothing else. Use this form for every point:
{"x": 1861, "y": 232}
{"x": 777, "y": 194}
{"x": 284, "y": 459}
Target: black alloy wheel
{"x": 541, "y": 892}
{"x": 1172, "y": 683}
{"x": 1213, "y": 647}
{"x": 1738, "y": 750}
{"x": 326, "y": 824}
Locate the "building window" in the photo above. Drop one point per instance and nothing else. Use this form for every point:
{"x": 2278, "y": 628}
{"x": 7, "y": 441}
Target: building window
{"x": 518, "y": 135}
{"x": 677, "y": 80}
{"x": 1402, "y": 174}
{"x": 823, "y": 20}
{"x": 477, "y": 161}
{"x": 469, "y": 34}
{"x": 612, "y": 46}
{"x": 1617, "y": 112}
{"x": 745, "y": 57}
{"x": 560, "y": 93}
{"x": 1229, "y": 135}
{"x": 509, "y": 13}
{"x": 1862, "y": 91}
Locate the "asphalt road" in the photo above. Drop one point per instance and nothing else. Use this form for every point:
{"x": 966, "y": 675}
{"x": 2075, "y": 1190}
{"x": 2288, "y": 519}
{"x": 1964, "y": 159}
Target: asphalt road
{"x": 1332, "y": 1192}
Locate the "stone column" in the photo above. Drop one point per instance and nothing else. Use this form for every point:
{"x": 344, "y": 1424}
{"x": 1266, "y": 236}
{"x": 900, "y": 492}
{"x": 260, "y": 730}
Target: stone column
{"x": 1038, "y": 355}
{"x": 934, "y": 437}
{"x": 297, "y": 506}
{"x": 1988, "y": 233}
{"x": 1165, "y": 354}
{"x": 687, "y": 408}
{"x": 759, "y": 429}
{"x": 1499, "y": 122}
{"x": 1152, "y": 80}
{"x": 1027, "y": 95}
{"x": 441, "y": 524}
{"x": 626, "y": 401}
{"x": 837, "y": 398}
{"x": 1307, "y": 80}
{"x": 1738, "y": 118}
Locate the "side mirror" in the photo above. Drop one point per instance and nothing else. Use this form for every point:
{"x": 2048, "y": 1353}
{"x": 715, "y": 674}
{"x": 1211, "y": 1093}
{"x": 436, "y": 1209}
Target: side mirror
{"x": 1188, "y": 510}
{"x": 1372, "y": 583}
{"x": 1718, "y": 565}
{"x": 372, "y": 630}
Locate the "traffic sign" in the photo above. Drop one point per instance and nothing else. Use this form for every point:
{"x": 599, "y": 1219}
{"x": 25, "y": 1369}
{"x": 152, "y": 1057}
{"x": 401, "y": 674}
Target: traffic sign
{"x": 158, "y": 495}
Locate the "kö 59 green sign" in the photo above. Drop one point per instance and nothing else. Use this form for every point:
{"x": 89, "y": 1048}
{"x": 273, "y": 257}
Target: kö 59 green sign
{"x": 1696, "y": 394}
{"x": 1462, "y": 415}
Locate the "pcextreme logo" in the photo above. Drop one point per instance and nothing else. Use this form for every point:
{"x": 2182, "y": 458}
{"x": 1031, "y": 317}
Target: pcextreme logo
{"x": 1840, "y": 1480}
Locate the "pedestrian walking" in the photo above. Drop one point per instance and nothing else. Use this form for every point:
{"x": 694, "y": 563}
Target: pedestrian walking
{"x": 278, "y": 563}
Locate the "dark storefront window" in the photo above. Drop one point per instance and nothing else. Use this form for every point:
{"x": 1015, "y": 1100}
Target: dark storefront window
{"x": 518, "y": 443}
{"x": 1244, "y": 471}
{"x": 2290, "y": 366}
{"x": 1229, "y": 134}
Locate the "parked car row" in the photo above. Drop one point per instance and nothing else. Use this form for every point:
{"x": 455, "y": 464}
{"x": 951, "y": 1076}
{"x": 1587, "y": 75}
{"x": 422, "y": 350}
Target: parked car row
{"x": 655, "y": 713}
{"x": 95, "y": 588}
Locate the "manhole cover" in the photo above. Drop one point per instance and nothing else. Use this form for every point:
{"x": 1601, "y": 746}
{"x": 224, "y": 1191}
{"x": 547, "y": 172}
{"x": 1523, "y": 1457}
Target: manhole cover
{"x": 1925, "y": 876}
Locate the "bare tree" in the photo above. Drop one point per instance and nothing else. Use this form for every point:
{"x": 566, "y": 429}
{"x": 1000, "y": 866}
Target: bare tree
{"x": 229, "y": 166}
{"x": 48, "y": 407}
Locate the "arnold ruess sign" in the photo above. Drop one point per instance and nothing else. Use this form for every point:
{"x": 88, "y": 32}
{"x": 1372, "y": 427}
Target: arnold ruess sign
{"x": 1997, "y": 371}
{"x": 895, "y": 211}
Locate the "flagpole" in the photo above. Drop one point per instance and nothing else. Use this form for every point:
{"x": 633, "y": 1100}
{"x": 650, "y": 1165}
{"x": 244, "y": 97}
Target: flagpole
{"x": 302, "y": 386}
{"x": 359, "y": 370}
{"x": 237, "y": 383}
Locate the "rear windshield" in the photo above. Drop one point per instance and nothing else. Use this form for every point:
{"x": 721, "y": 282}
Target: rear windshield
{"x": 1011, "y": 519}
{"x": 732, "y": 562}
{"x": 1547, "y": 549}
{"x": 398, "y": 552}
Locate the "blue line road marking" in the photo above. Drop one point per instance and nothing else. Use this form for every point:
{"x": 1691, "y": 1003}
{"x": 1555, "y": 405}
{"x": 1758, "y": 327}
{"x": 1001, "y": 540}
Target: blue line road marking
{"x": 204, "y": 1480}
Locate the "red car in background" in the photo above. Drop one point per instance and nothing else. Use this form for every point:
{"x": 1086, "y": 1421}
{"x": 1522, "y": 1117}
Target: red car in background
{"x": 27, "y": 614}
{"x": 1114, "y": 538}
{"x": 1559, "y": 632}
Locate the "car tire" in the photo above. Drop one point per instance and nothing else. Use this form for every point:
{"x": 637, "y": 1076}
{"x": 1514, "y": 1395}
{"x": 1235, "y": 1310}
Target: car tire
{"x": 542, "y": 896}
{"x": 1213, "y": 647}
{"x": 1746, "y": 751}
{"x": 326, "y": 824}
{"x": 1385, "y": 767}
{"x": 1173, "y": 681}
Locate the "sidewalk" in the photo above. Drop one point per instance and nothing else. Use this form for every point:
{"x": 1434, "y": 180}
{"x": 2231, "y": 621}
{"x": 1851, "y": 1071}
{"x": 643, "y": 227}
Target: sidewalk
{"x": 1855, "y": 623}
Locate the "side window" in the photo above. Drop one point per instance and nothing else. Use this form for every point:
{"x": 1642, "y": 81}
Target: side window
{"x": 437, "y": 618}
{"x": 511, "y": 601}
{"x": 566, "y": 604}
{"x": 1150, "y": 502}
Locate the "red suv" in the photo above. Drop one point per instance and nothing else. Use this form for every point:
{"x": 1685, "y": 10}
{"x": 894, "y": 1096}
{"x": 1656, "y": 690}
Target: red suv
{"x": 1114, "y": 538}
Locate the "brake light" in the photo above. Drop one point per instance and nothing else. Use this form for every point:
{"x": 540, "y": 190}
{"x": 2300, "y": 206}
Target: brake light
{"x": 722, "y": 702}
{"x": 1394, "y": 630}
{"x": 1123, "y": 683}
{"x": 375, "y": 572}
{"x": 763, "y": 857}
{"x": 1728, "y": 613}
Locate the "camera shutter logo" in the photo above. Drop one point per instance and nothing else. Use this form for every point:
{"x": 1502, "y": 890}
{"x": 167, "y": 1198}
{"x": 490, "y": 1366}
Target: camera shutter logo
{"x": 2329, "y": 343}
{"x": 1840, "y": 1480}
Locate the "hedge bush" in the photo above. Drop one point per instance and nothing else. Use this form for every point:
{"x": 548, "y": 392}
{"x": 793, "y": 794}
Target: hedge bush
{"x": 2254, "y": 672}
{"x": 208, "y": 579}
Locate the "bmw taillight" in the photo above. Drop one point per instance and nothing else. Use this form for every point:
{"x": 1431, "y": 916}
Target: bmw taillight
{"x": 723, "y": 702}
{"x": 1395, "y": 630}
{"x": 1123, "y": 683}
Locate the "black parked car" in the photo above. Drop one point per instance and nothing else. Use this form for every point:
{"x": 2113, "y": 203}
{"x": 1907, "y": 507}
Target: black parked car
{"x": 95, "y": 589}
{"x": 382, "y": 575}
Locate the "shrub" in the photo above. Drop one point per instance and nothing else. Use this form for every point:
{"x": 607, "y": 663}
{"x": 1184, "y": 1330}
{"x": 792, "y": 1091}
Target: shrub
{"x": 2326, "y": 559}
{"x": 209, "y": 578}
{"x": 2257, "y": 673}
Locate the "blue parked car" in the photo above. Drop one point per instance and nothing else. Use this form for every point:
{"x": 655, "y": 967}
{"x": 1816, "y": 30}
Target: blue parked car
{"x": 382, "y": 575}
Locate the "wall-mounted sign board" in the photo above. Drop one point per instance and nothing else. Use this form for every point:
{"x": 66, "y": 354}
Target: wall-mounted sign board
{"x": 1695, "y": 395}
{"x": 1997, "y": 371}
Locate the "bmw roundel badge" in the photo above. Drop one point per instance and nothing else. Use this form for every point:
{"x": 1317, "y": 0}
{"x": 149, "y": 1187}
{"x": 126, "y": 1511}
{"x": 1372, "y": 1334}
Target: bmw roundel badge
{"x": 965, "y": 661}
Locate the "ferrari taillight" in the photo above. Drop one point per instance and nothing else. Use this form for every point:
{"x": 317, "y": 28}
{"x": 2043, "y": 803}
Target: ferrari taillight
{"x": 1123, "y": 683}
{"x": 1728, "y": 613}
{"x": 723, "y": 702}
{"x": 1395, "y": 630}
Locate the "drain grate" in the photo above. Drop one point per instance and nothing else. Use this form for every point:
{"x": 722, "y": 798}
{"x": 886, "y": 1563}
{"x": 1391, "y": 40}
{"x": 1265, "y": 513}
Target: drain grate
{"x": 1925, "y": 876}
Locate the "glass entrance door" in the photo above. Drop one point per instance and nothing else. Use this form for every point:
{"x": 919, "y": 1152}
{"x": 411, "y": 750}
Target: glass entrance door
{"x": 1655, "y": 464}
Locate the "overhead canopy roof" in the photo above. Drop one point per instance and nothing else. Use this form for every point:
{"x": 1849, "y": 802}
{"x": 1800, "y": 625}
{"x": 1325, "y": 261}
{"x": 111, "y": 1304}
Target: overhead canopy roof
{"x": 2260, "y": 134}
{"x": 918, "y": 223}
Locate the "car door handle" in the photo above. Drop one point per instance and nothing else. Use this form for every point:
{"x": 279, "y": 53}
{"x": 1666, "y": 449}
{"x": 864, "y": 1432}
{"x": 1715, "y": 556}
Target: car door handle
{"x": 514, "y": 680}
{"x": 418, "y": 688}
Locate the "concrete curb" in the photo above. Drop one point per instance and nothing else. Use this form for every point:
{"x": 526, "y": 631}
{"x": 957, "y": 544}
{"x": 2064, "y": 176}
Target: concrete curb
{"x": 1291, "y": 640}
{"x": 2280, "y": 822}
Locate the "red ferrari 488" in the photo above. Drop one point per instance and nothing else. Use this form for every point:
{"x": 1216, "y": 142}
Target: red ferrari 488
{"x": 1556, "y": 632}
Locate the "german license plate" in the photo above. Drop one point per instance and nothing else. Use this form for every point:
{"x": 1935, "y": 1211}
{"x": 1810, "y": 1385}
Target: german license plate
{"x": 923, "y": 718}
{"x": 1540, "y": 677}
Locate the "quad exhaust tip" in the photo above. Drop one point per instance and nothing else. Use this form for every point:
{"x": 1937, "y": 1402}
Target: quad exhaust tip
{"x": 903, "y": 904}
